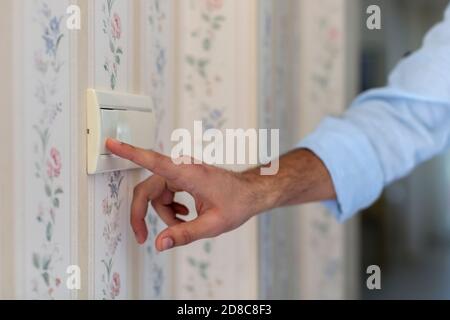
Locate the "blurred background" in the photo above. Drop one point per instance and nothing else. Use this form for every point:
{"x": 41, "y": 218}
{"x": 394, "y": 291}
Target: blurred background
{"x": 407, "y": 232}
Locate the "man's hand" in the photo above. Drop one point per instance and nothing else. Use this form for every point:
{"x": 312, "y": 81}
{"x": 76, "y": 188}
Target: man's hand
{"x": 221, "y": 198}
{"x": 224, "y": 200}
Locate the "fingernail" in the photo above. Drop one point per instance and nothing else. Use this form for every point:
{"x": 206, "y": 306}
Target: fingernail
{"x": 138, "y": 238}
{"x": 115, "y": 141}
{"x": 167, "y": 243}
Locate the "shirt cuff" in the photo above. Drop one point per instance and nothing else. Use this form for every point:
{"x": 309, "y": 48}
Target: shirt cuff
{"x": 352, "y": 163}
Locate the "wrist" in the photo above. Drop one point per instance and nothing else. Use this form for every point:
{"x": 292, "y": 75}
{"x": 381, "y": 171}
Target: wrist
{"x": 260, "y": 193}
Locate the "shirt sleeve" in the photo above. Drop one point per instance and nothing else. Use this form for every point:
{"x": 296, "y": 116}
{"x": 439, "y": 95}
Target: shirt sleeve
{"x": 388, "y": 131}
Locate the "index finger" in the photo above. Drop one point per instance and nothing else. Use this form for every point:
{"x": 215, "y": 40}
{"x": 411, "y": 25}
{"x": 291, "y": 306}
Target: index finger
{"x": 151, "y": 160}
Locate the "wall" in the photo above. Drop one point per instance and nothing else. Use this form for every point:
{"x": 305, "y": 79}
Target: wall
{"x": 6, "y": 203}
{"x": 196, "y": 60}
{"x": 308, "y": 51}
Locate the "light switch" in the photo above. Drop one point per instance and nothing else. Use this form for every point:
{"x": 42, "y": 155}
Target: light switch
{"x": 109, "y": 119}
{"x": 127, "y": 118}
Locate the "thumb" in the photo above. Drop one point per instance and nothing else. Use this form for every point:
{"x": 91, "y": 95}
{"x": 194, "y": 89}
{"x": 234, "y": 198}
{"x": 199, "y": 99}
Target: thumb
{"x": 205, "y": 226}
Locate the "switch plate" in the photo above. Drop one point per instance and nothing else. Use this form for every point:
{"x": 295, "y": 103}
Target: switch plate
{"x": 125, "y": 117}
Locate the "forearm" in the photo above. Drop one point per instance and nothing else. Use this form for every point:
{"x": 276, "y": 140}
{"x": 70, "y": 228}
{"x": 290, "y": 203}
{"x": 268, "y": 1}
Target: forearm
{"x": 302, "y": 178}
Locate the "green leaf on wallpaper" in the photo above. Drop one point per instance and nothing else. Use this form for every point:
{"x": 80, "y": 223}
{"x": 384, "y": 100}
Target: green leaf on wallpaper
{"x": 49, "y": 231}
{"x": 46, "y": 278}
{"x": 110, "y": 5}
{"x": 58, "y": 41}
{"x": 111, "y": 46}
{"x": 203, "y": 63}
{"x": 190, "y": 288}
{"x": 43, "y": 135}
{"x": 192, "y": 262}
{"x": 219, "y": 18}
{"x": 203, "y": 267}
{"x": 203, "y": 273}
{"x": 46, "y": 263}
{"x": 48, "y": 190}
{"x": 117, "y": 59}
{"x": 56, "y": 202}
{"x": 206, "y": 44}
{"x": 119, "y": 50}
{"x": 207, "y": 247}
{"x": 190, "y": 60}
{"x": 36, "y": 260}
{"x": 206, "y": 17}
{"x": 113, "y": 81}
{"x": 46, "y": 136}
{"x": 59, "y": 191}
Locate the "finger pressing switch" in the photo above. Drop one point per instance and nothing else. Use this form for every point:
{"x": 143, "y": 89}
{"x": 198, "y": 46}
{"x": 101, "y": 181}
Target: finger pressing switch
{"x": 124, "y": 117}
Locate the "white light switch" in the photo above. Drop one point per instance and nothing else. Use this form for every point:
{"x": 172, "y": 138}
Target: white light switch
{"x": 127, "y": 118}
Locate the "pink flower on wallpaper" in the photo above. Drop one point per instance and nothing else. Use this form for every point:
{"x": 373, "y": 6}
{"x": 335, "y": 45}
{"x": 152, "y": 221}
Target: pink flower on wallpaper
{"x": 54, "y": 164}
{"x": 115, "y": 285}
{"x": 116, "y": 26}
{"x": 40, "y": 64}
{"x": 214, "y": 4}
{"x": 106, "y": 207}
{"x": 334, "y": 34}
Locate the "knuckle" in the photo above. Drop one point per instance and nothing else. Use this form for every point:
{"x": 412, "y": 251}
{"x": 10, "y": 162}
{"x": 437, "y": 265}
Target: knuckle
{"x": 186, "y": 236}
{"x": 149, "y": 161}
{"x": 138, "y": 191}
{"x": 184, "y": 160}
{"x": 132, "y": 152}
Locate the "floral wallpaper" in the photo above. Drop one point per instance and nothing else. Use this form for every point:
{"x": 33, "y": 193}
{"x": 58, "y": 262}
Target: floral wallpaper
{"x": 202, "y": 81}
{"x": 277, "y": 59}
{"x": 324, "y": 93}
{"x": 158, "y": 20}
{"x": 112, "y": 29}
{"x": 112, "y": 235}
{"x": 205, "y": 90}
{"x": 266, "y": 105}
{"x": 46, "y": 210}
{"x": 209, "y": 35}
{"x": 111, "y": 254}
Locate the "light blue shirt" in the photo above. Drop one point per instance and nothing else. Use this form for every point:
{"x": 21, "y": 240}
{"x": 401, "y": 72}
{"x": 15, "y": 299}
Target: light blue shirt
{"x": 389, "y": 131}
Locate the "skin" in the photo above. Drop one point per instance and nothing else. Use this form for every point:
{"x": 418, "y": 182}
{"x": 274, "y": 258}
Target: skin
{"x": 224, "y": 200}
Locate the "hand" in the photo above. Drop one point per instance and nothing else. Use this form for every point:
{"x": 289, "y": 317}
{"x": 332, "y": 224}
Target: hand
{"x": 223, "y": 199}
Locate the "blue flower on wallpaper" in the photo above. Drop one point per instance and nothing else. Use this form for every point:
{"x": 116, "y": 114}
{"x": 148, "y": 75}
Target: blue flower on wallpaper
{"x": 48, "y": 162}
{"x": 50, "y": 46}
{"x": 46, "y": 12}
{"x": 54, "y": 25}
{"x": 213, "y": 118}
{"x": 52, "y": 35}
{"x": 116, "y": 179}
{"x": 161, "y": 61}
